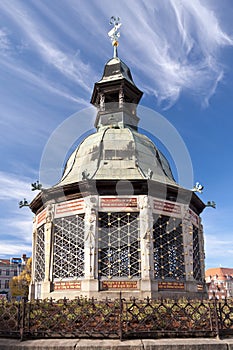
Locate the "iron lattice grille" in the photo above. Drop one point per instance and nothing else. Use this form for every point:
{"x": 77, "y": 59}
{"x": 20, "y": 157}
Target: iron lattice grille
{"x": 168, "y": 248}
{"x": 40, "y": 255}
{"x": 68, "y": 255}
{"x": 119, "y": 245}
{"x": 196, "y": 255}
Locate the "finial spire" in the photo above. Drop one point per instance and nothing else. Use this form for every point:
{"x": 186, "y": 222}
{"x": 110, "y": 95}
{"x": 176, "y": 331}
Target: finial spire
{"x": 114, "y": 33}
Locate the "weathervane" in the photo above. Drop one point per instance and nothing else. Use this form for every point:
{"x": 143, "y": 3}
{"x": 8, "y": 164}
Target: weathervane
{"x": 114, "y": 33}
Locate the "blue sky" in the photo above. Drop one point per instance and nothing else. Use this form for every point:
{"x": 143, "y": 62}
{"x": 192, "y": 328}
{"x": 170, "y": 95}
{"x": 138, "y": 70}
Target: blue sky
{"x": 180, "y": 53}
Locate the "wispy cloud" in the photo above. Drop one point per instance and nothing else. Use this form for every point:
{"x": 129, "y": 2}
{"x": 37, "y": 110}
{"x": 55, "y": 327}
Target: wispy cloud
{"x": 219, "y": 251}
{"x": 16, "y": 249}
{"x": 178, "y": 47}
{"x": 67, "y": 64}
{"x": 41, "y": 81}
{"x": 20, "y": 229}
{"x": 16, "y": 227}
{"x": 175, "y": 46}
{"x": 4, "y": 41}
{"x": 13, "y": 187}
{"x": 218, "y": 235}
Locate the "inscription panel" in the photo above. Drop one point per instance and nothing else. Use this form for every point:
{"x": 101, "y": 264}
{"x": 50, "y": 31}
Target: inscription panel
{"x": 170, "y": 285}
{"x": 69, "y": 208}
{"x": 119, "y": 285}
{"x": 67, "y": 285}
{"x": 166, "y": 207}
{"x": 116, "y": 202}
{"x": 41, "y": 218}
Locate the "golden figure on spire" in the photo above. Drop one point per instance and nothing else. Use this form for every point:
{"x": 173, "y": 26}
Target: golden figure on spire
{"x": 114, "y": 33}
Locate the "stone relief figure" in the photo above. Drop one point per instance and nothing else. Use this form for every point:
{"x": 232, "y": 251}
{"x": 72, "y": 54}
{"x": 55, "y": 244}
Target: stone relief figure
{"x": 50, "y": 213}
{"x": 90, "y": 224}
{"x": 146, "y": 219}
{"x": 90, "y": 231}
{"x": 144, "y": 203}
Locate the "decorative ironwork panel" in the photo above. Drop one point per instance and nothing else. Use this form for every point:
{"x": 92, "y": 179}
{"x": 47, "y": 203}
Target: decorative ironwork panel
{"x": 158, "y": 318}
{"x": 40, "y": 254}
{"x": 197, "y": 275}
{"x": 168, "y": 248}
{"x": 119, "y": 245}
{"x": 225, "y": 315}
{"x": 9, "y": 318}
{"x": 68, "y": 255}
{"x": 137, "y": 319}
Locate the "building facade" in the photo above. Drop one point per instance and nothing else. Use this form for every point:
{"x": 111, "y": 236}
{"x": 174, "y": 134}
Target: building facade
{"x": 219, "y": 281}
{"x": 117, "y": 220}
{"x": 8, "y": 269}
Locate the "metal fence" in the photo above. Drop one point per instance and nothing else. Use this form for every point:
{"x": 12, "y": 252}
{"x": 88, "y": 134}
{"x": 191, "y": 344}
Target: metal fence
{"x": 123, "y": 319}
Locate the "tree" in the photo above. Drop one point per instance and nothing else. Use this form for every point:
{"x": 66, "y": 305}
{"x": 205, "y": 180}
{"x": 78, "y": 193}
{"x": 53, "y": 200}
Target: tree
{"x": 19, "y": 285}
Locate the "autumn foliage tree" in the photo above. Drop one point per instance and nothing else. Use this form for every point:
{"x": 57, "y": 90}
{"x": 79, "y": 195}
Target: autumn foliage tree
{"x": 19, "y": 285}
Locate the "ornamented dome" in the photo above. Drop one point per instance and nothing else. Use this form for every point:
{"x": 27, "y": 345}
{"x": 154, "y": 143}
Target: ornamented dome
{"x": 116, "y": 150}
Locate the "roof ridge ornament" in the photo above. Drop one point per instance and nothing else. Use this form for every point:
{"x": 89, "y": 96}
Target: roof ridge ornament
{"x": 114, "y": 33}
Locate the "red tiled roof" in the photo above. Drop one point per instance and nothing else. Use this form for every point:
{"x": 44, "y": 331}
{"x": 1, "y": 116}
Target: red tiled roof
{"x": 4, "y": 261}
{"x": 220, "y": 271}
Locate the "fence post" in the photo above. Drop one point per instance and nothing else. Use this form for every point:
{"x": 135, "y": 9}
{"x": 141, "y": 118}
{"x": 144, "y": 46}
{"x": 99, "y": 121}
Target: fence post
{"x": 216, "y": 316}
{"x": 120, "y": 317}
{"x": 23, "y": 319}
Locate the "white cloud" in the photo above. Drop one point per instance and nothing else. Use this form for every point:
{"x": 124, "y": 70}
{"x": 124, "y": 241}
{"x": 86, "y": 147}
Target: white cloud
{"x": 176, "y": 45}
{"x": 71, "y": 66}
{"x": 218, "y": 235}
{"x": 12, "y": 187}
{"x": 41, "y": 81}
{"x": 15, "y": 223}
{"x": 16, "y": 249}
{"x": 179, "y": 46}
{"x": 4, "y": 41}
{"x": 19, "y": 228}
{"x": 219, "y": 251}
{"x": 217, "y": 247}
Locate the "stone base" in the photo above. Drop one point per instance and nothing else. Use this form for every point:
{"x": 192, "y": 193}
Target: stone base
{"x": 140, "y": 289}
{"x": 101, "y": 344}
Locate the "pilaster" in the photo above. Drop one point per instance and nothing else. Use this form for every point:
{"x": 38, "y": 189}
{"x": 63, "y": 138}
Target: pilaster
{"x": 90, "y": 283}
{"x": 46, "y": 284}
{"x": 188, "y": 244}
{"x": 146, "y": 233}
{"x": 31, "y": 294}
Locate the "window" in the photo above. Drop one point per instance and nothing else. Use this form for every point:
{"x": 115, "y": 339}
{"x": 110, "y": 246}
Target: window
{"x": 168, "y": 248}
{"x": 0, "y": 271}
{"x": 7, "y": 272}
{"x": 119, "y": 245}
{"x": 68, "y": 257}
{"x": 196, "y": 256}
{"x": 40, "y": 255}
{"x": 0, "y": 284}
{"x": 15, "y": 273}
{"x": 7, "y": 284}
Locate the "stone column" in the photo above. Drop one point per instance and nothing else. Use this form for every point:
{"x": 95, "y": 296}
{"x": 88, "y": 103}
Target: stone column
{"x": 31, "y": 294}
{"x": 90, "y": 284}
{"x": 188, "y": 250}
{"x": 146, "y": 233}
{"x": 47, "y": 284}
{"x": 202, "y": 257}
